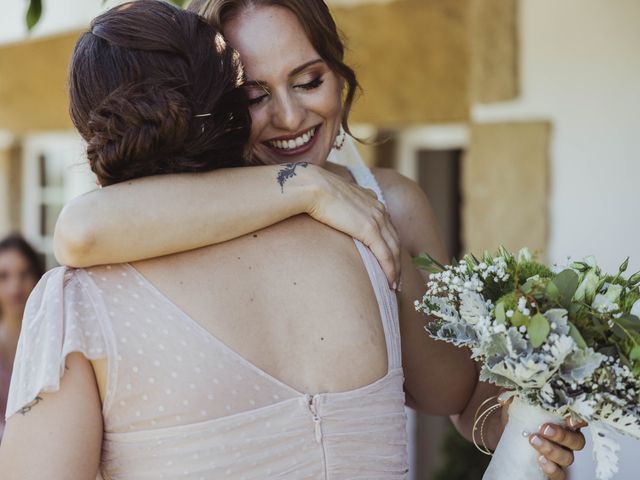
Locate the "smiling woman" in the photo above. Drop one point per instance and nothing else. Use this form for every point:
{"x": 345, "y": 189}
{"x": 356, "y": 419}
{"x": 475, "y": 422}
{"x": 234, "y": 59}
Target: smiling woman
{"x": 301, "y": 93}
{"x": 296, "y": 109}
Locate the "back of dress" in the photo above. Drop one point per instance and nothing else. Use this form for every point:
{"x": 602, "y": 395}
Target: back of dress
{"x": 187, "y": 398}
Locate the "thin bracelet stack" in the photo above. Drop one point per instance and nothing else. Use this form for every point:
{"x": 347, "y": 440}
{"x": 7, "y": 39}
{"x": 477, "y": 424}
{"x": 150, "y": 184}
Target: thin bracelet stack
{"x": 481, "y": 419}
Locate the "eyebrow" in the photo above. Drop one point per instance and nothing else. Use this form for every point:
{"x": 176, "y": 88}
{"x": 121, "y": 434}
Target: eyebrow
{"x": 295, "y": 71}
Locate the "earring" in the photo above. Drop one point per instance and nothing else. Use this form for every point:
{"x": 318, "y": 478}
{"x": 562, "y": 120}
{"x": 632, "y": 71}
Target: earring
{"x": 340, "y": 139}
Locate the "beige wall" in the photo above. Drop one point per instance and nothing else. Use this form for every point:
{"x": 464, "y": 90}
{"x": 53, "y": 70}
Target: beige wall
{"x": 505, "y": 187}
{"x": 33, "y": 79}
{"x": 9, "y": 185}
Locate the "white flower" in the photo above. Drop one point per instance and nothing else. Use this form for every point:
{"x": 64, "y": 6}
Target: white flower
{"x": 587, "y": 288}
{"x": 591, "y": 261}
{"x": 608, "y": 301}
{"x": 524, "y": 255}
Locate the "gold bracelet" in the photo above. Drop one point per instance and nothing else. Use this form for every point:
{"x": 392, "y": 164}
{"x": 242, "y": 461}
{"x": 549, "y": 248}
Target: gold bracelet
{"x": 482, "y": 419}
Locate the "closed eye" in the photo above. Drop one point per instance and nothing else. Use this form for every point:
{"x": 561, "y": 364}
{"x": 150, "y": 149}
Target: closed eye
{"x": 313, "y": 84}
{"x": 257, "y": 100}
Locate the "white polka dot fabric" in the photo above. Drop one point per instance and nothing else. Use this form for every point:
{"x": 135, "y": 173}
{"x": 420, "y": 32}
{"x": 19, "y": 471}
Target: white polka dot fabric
{"x": 181, "y": 404}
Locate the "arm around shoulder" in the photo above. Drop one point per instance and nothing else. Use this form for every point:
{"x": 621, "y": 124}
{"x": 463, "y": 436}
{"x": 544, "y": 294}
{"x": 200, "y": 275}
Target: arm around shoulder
{"x": 159, "y": 215}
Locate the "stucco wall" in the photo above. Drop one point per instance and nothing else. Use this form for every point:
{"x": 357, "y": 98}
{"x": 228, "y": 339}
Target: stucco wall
{"x": 581, "y": 71}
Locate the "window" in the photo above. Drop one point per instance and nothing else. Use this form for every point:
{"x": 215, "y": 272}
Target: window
{"x": 54, "y": 171}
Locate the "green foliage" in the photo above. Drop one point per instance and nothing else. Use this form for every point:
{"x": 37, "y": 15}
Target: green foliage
{"x": 461, "y": 460}
{"x": 426, "y": 262}
{"x": 538, "y": 330}
{"x": 519, "y": 319}
{"x": 510, "y": 301}
{"x": 34, "y": 12}
{"x": 531, "y": 268}
{"x": 567, "y": 283}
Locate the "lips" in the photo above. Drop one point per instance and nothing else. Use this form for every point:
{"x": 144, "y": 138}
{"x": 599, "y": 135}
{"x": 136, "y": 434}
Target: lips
{"x": 295, "y": 144}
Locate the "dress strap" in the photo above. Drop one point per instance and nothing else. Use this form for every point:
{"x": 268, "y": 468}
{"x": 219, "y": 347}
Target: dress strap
{"x": 387, "y": 300}
{"x": 365, "y": 178}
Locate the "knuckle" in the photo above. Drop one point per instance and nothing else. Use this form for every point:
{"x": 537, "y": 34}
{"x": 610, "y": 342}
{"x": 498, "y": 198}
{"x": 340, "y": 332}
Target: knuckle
{"x": 546, "y": 448}
{"x": 371, "y": 226}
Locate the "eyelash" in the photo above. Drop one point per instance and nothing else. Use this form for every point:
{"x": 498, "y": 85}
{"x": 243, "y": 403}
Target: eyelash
{"x": 312, "y": 85}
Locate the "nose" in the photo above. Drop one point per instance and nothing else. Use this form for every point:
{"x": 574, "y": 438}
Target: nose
{"x": 287, "y": 114}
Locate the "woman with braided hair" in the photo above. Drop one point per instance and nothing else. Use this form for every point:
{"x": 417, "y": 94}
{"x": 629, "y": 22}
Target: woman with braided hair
{"x": 272, "y": 355}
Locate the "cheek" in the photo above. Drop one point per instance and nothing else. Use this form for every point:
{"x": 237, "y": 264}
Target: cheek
{"x": 259, "y": 121}
{"x": 331, "y": 102}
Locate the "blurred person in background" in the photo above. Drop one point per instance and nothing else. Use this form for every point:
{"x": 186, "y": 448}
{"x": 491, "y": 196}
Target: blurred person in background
{"x": 20, "y": 269}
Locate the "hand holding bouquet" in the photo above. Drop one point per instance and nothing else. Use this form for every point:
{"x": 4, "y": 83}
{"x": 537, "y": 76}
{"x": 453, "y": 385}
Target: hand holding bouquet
{"x": 564, "y": 344}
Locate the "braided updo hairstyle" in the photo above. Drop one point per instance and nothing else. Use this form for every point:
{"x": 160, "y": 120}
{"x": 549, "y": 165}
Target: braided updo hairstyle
{"x": 153, "y": 90}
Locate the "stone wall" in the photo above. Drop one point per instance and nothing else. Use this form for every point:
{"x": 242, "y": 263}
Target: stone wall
{"x": 33, "y": 84}
{"x": 505, "y": 187}
{"x": 412, "y": 58}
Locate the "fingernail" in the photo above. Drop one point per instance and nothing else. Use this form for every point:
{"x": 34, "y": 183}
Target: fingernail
{"x": 549, "y": 431}
{"x": 394, "y": 286}
{"x": 536, "y": 441}
{"x": 543, "y": 460}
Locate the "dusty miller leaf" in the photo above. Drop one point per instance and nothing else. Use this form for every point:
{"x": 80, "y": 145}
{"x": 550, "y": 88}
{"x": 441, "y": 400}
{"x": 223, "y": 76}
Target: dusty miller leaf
{"x": 580, "y": 365}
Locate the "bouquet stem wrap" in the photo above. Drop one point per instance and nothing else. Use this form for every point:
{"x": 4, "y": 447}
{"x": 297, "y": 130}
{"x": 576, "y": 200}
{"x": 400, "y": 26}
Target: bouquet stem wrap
{"x": 515, "y": 458}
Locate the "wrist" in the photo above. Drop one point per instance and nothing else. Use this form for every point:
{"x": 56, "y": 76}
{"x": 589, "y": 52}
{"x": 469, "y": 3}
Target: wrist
{"x": 310, "y": 188}
{"x": 494, "y": 429}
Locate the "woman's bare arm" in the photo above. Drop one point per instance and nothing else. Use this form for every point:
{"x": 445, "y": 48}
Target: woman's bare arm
{"x": 439, "y": 380}
{"x": 59, "y": 435}
{"x": 160, "y": 215}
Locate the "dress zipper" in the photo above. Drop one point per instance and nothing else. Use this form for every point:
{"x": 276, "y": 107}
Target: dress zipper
{"x": 311, "y": 402}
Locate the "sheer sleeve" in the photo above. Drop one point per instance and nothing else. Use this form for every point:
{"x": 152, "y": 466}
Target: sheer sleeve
{"x": 59, "y": 319}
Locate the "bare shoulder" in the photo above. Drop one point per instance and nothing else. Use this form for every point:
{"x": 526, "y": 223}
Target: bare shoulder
{"x": 410, "y": 211}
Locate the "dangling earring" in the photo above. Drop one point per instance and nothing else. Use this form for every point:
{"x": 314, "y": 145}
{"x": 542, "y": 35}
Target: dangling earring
{"x": 340, "y": 139}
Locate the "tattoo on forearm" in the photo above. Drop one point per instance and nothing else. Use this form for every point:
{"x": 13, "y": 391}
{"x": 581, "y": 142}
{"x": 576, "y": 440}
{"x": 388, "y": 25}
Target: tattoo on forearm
{"x": 289, "y": 171}
{"x": 27, "y": 408}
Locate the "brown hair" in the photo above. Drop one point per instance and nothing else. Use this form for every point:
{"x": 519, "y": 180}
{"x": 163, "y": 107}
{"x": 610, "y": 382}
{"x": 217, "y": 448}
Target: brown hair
{"x": 16, "y": 242}
{"x": 317, "y": 22}
{"x": 153, "y": 90}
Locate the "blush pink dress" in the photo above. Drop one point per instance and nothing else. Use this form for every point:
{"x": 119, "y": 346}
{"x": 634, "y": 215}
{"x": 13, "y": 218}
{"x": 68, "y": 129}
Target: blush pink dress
{"x": 180, "y": 404}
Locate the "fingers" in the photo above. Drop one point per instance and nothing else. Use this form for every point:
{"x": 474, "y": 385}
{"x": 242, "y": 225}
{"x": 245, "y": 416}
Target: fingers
{"x": 563, "y": 437}
{"x": 384, "y": 240}
{"x": 574, "y": 424}
{"x": 553, "y": 471}
{"x": 390, "y": 236}
{"x": 551, "y": 451}
{"x": 377, "y": 243}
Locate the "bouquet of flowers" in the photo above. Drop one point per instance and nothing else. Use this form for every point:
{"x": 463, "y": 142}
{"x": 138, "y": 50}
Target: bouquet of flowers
{"x": 563, "y": 343}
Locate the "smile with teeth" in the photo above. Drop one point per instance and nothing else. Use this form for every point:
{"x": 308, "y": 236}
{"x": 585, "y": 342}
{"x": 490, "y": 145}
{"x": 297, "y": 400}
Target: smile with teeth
{"x": 301, "y": 141}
